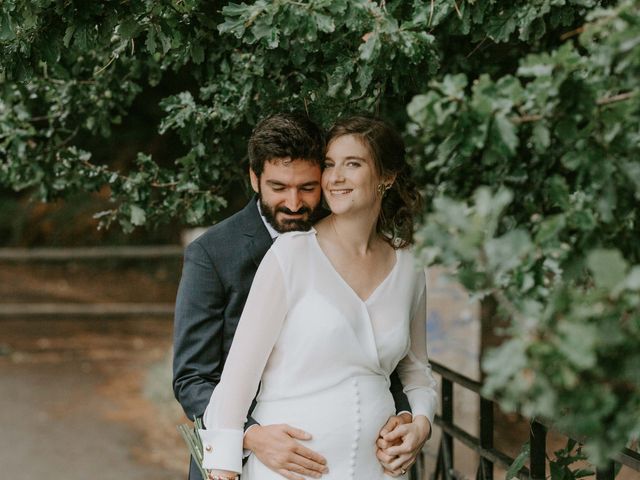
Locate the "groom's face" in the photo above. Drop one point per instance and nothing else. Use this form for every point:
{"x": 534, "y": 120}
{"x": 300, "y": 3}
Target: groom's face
{"x": 289, "y": 192}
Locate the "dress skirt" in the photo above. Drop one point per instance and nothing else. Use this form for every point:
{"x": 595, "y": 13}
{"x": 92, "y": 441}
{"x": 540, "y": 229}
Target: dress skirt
{"x": 344, "y": 422}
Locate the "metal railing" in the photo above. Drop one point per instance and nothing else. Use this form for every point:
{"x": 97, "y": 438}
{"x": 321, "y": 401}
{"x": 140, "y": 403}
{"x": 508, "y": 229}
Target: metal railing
{"x": 483, "y": 443}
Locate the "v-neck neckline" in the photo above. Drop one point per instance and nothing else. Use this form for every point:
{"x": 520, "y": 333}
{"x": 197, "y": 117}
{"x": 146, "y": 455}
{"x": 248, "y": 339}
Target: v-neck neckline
{"x": 375, "y": 291}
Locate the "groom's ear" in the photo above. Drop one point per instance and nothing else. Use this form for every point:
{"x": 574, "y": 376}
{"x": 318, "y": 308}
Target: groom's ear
{"x": 255, "y": 181}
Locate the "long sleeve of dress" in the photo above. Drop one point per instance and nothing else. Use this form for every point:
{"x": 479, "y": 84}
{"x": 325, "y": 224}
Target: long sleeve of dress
{"x": 257, "y": 332}
{"x": 414, "y": 369}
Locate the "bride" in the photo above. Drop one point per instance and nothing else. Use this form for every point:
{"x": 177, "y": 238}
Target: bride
{"x": 331, "y": 313}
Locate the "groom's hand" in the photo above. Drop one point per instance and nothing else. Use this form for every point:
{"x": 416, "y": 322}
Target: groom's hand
{"x": 381, "y": 444}
{"x": 406, "y": 442}
{"x": 277, "y": 447}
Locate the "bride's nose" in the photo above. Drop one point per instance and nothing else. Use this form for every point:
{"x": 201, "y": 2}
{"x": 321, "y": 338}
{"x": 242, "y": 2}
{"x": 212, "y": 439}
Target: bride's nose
{"x": 335, "y": 175}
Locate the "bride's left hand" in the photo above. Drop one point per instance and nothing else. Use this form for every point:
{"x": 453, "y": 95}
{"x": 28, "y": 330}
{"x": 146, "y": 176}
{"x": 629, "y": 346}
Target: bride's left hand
{"x": 406, "y": 442}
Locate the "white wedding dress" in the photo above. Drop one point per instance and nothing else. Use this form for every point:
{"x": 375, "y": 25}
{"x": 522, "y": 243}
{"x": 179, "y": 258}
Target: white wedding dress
{"x": 323, "y": 357}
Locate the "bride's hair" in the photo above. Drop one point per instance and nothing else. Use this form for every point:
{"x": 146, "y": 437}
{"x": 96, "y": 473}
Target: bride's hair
{"x": 402, "y": 202}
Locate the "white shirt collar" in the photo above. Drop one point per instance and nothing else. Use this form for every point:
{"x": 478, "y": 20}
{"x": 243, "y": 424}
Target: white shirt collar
{"x": 272, "y": 231}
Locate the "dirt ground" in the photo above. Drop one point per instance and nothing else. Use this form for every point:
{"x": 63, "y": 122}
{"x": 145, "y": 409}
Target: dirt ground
{"x": 88, "y": 398}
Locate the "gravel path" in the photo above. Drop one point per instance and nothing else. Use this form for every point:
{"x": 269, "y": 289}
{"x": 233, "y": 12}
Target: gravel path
{"x": 88, "y": 400}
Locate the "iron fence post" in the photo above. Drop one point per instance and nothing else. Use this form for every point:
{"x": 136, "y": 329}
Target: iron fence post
{"x": 538, "y": 451}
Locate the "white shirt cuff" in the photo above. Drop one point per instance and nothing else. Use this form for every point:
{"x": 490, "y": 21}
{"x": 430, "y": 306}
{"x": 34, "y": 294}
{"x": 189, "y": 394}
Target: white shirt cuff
{"x": 245, "y": 451}
{"x": 222, "y": 449}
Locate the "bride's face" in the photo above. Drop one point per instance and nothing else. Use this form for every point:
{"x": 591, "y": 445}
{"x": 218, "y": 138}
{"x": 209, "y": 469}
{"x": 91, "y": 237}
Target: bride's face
{"x": 349, "y": 179}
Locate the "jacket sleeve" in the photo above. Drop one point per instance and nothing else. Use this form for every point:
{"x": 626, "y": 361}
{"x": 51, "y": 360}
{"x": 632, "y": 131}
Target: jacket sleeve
{"x": 198, "y": 332}
{"x": 399, "y": 397}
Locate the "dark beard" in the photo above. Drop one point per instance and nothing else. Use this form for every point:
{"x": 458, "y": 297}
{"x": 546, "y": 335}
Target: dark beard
{"x": 289, "y": 225}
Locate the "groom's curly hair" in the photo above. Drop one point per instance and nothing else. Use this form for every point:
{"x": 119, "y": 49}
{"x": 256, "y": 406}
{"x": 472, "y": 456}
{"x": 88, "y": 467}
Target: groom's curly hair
{"x": 402, "y": 202}
{"x": 285, "y": 135}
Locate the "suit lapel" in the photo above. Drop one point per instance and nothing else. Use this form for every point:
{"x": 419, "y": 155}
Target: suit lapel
{"x": 259, "y": 244}
{"x": 259, "y": 238}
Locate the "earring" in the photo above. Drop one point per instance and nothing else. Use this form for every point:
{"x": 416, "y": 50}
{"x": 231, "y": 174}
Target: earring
{"x": 382, "y": 188}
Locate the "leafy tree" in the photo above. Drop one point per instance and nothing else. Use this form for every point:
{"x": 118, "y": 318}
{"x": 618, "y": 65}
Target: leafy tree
{"x": 522, "y": 120}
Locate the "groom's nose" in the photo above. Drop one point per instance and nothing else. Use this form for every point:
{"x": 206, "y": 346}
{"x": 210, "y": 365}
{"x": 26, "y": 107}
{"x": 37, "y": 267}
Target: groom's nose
{"x": 294, "y": 200}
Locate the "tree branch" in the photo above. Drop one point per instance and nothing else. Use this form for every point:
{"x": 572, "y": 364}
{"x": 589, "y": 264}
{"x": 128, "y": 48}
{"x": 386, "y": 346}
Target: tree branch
{"x": 621, "y": 97}
{"x": 616, "y": 98}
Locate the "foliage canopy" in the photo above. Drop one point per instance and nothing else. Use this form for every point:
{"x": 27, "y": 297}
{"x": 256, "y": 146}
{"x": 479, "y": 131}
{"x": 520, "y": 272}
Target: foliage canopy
{"x": 522, "y": 120}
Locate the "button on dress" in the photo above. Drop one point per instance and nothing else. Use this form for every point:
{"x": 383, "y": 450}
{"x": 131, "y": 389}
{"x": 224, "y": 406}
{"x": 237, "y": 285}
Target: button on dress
{"x": 322, "y": 357}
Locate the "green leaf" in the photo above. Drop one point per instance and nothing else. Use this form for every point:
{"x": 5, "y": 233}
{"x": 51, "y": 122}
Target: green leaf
{"x": 583, "y": 220}
{"x": 507, "y": 252}
{"x": 324, "y": 22}
{"x": 549, "y": 228}
{"x": 138, "y": 215}
{"x": 191, "y": 437}
{"x": 608, "y": 267}
{"x": 6, "y": 30}
{"x": 365, "y": 76}
{"x": 582, "y": 472}
{"x": 128, "y": 28}
{"x": 557, "y": 471}
{"x": 556, "y": 193}
{"x": 68, "y": 35}
{"x": 370, "y": 48}
{"x": 632, "y": 170}
{"x": 507, "y": 132}
{"x": 518, "y": 462}
{"x": 197, "y": 54}
{"x": 165, "y": 40}
{"x": 578, "y": 343}
{"x": 150, "y": 42}
{"x": 632, "y": 281}
{"x": 453, "y": 86}
{"x": 573, "y": 159}
{"x": 541, "y": 137}
{"x": 488, "y": 204}
{"x": 531, "y": 69}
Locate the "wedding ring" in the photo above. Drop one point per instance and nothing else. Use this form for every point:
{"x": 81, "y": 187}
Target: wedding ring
{"x": 403, "y": 471}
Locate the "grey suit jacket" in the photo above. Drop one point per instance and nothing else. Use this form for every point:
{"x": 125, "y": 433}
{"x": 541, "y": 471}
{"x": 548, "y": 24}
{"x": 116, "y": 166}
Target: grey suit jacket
{"x": 218, "y": 269}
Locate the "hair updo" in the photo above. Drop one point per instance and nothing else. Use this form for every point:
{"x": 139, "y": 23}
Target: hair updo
{"x": 402, "y": 202}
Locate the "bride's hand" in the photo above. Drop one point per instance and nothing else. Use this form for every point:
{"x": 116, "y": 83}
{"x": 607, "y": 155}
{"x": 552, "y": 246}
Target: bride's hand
{"x": 406, "y": 442}
{"x": 222, "y": 474}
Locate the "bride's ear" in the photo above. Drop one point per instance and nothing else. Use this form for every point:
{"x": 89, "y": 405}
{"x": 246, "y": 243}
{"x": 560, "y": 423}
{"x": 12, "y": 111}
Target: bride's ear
{"x": 390, "y": 179}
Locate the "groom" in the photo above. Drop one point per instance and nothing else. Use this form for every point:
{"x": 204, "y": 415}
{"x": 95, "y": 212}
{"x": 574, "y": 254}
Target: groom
{"x": 285, "y": 154}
